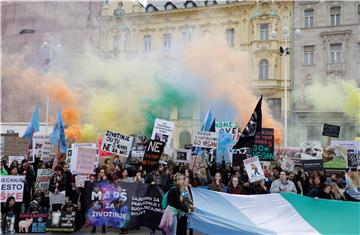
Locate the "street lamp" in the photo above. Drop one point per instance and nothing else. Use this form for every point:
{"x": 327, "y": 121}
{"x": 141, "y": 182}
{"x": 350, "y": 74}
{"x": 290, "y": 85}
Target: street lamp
{"x": 284, "y": 51}
{"x": 47, "y": 61}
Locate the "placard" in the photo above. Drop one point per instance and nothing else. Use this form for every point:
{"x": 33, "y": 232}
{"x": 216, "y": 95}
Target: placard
{"x": 38, "y": 142}
{"x": 254, "y": 169}
{"x": 85, "y": 160}
{"x": 57, "y": 198}
{"x": 182, "y": 155}
{"x": 99, "y": 144}
{"x": 136, "y": 157}
{"x": 163, "y": 131}
{"x": 264, "y": 144}
{"x": 80, "y": 181}
{"x": 352, "y": 149}
{"x": 15, "y": 158}
{"x": 32, "y": 222}
{"x": 311, "y": 156}
{"x": 12, "y": 186}
{"x": 331, "y": 130}
{"x": 15, "y": 146}
{"x": 293, "y": 153}
{"x": 74, "y": 154}
{"x": 116, "y": 143}
{"x": 43, "y": 180}
{"x": 153, "y": 152}
{"x": 231, "y": 128}
{"x": 61, "y": 222}
{"x": 196, "y": 163}
{"x": 205, "y": 139}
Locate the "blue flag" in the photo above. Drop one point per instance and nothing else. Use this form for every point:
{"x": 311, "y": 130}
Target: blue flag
{"x": 33, "y": 125}
{"x": 58, "y": 135}
{"x": 208, "y": 125}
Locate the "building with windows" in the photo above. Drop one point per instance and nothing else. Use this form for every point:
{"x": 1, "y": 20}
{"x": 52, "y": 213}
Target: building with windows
{"x": 132, "y": 29}
{"x": 327, "y": 49}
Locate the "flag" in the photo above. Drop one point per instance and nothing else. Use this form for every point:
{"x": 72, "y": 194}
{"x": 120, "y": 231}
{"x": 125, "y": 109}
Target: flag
{"x": 253, "y": 126}
{"x": 33, "y": 125}
{"x": 58, "y": 136}
{"x": 208, "y": 125}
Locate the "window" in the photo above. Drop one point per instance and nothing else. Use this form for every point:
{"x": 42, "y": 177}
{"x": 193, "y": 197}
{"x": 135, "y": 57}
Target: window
{"x": 189, "y": 4}
{"x": 335, "y": 53}
{"x": 167, "y": 41}
{"x": 116, "y": 42}
{"x": 185, "y": 112}
{"x": 309, "y": 18}
{"x": 335, "y": 16}
{"x": 275, "y": 107}
{"x": 147, "y": 43}
{"x": 309, "y": 55}
{"x": 264, "y": 32}
{"x": 230, "y": 34}
{"x": 210, "y": 3}
{"x": 186, "y": 36}
{"x": 264, "y": 69}
{"x": 170, "y": 6}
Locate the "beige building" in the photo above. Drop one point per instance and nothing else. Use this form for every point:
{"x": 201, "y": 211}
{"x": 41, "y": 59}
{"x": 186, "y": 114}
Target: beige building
{"x": 131, "y": 29}
{"x": 328, "y": 48}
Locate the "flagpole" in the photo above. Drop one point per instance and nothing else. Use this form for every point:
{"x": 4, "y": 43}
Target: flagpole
{"x": 47, "y": 116}
{"x": 58, "y": 149}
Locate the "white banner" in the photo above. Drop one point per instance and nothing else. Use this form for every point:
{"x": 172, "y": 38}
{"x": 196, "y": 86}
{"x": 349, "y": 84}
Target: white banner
{"x": 253, "y": 169}
{"x": 12, "y": 186}
{"x": 205, "y": 139}
{"x": 117, "y": 143}
{"x": 15, "y": 158}
{"x": 163, "y": 131}
{"x": 74, "y": 154}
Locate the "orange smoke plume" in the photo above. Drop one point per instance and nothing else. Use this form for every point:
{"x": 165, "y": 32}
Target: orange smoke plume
{"x": 71, "y": 116}
{"x": 73, "y": 133}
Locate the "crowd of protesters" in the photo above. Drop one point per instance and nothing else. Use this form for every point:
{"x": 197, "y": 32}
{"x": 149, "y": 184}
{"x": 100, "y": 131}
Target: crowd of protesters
{"x": 178, "y": 177}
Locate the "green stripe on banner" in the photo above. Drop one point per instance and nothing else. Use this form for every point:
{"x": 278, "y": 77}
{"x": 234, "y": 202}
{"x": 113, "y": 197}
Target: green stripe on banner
{"x": 328, "y": 217}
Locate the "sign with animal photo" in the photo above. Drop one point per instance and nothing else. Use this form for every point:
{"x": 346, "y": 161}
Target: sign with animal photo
{"x": 163, "y": 131}
{"x": 15, "y": 146}
{"x": 253, "y": 169}
{"x": 32, "y": 222}
{"x": 264, "y": 144}
{"x": 12, "y": 186}
{"x": 352, "y": 150}
{"x": 61, "y": 222}
{"x": 331, "y": 130}
{"x": 335, "y": 157}
{"x": 136, "y": 157}
{"x": 116, "y": 143}
{"x": 293, "y": 153}
{"x": 205, "y": 139}
{"x": 182, "y": 155}
{"x": 153, "y": 152}
{"x": 43, "y": 180}
{"x": 57, "y": 198}
{"x": 353, "y": 182}
{"x": 38, "y": 141}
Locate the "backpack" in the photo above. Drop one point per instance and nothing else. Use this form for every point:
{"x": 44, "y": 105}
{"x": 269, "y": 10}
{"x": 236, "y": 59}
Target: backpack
{"x": 164, "y": 201}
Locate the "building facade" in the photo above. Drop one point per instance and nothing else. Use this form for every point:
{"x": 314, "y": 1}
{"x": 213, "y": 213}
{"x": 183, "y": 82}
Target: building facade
{"x": 328, "y": 48}
{"x": 132, "y": 29}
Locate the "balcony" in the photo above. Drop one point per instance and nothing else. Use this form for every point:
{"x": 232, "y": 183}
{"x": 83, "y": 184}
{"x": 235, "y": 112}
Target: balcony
{"x": 335, "y": 68}
{"x": 271, "y": 86}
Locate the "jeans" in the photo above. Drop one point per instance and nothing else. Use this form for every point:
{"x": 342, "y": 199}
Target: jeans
{"x": 174, "y": 225}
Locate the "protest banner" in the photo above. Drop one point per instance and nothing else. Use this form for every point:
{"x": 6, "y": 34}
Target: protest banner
{"x": 253, "y": 169}
{"x": 32, "y": 222}
{"x": 123, "y": 205}
{"x": 85, "y": 160}
{"x": 12, "y": 186}
{"x": 80, "y": 180}
{"x": 61, "y": 222}
{"x": 331, "y": 130}
{"x": 205, "y": 139}
{"x": 163, "y": 131}
{"x": 232, "y": 128}
{"x": 46, "y": 152}
{"x": 74, "y": 154}
{"x": 38, "y": 141}
{"x": 57, "y": 198}
{"x": 311, "y": 156}
{"x": 293, "y": 153}
{"x": 117, "y": 143}
{"x": 15, "y": 158}
{"x": 99, "y": 144}
{"x": 43, "y": 180}
{"x": 153, "y": 152}
{"x": 264, "y": 144}
{"x": 352, "y": 150}
{"x": 182, "y": 155}
{"x": 15, "y": 146}
{"x": 136, "y": 157}
{"x": 196, "y": 163}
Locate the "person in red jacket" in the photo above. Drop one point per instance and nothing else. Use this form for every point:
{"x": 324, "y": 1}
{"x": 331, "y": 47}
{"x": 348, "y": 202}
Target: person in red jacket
{"x": 234, "y": 186}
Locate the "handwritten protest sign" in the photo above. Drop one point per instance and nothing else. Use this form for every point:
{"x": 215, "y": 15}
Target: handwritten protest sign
{"x": 15, "y": 146}
{"x": 331, "y": 130}
{"x": 205, "y": 139}
{"x": 43, "y": 179}
{"x": 85, "y": 160}
{"x": 264, "y": 144}
{"x": 74, "y": 154}
{"x": 117, "y": 143}
{"x": 253, "y": 169}
{"x": 12, "y": 186}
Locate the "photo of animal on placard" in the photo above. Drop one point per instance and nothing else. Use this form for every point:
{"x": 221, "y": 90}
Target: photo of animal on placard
{"x": 312, "y": 150}
{"x": 24, "y": 225}
{"x": 335, "y": 157}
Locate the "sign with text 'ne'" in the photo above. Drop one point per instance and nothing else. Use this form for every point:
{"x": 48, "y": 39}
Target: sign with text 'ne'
{"x": 153, "y": 152}
{"x": 116, "y": 143}
{"x": 205, "y": 139}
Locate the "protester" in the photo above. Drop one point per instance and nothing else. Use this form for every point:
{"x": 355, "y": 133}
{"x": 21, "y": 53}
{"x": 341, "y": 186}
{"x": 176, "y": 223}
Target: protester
{"x": 216, "y": 184}
{"x": 336, "y": 193}
{"x": 282, "y": 184}
{"x": 325, "y": 193}
{"x": 10, "y": 215}
{"x": 316, "y": 189}
{"x": 157, "y": 177}
{"x": 4, "y": 168}
{"x": 125, "y": 176}
{"x": 234, "y": 186}
{"x": 138, "y": 178}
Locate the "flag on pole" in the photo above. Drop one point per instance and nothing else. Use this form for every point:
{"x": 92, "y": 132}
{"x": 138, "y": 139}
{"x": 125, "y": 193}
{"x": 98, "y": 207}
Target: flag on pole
{"x": 33, "y": 125}
{"x": 254, "y": 125}
{"x": 208, "y": 125}
{"x": 58, "y": 136}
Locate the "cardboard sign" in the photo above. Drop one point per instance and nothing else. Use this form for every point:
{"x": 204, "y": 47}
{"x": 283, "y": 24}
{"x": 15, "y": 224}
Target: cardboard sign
{"x": 12, "y": 186}
{"x": 117, "y": 143}
{"x": 163, "y": 131}
{"x": 15, "y": 146}
{"x": 153, "y": 152}
{"x": 264, "y": 144}
{"x": 85, "y": 160}
{"x": 74, "y": 154}
{"x": 352, "y": 150}
{"x": 43, "y": 180}
{"x": 205, "y": 139}
{"x": 331, "y": 130}
{"x": 253, "y": 169}
{"x": 32, "y": 222}
{"x": 182, "y": 155}
{"x": 61, "y": 222}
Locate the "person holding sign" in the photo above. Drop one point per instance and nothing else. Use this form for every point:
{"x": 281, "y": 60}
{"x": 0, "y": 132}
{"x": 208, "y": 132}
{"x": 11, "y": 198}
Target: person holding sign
{"x": 282, "y": 184}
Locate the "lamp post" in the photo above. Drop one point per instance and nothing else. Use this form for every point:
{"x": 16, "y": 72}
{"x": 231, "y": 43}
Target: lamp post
{"x": 284, "y": 51}
{"x": 48, "y": 61}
